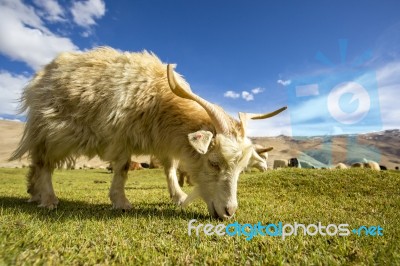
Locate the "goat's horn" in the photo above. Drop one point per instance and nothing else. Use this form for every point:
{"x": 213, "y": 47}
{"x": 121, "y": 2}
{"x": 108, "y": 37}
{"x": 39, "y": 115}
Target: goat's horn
{"x": 246, "y": 116}
{"x": 268, "y": 115}
{"x": 217, "y": 117}
{"x": 262, "y": 150}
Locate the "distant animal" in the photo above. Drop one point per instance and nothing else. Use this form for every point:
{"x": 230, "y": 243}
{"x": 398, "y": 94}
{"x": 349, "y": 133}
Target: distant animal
{"x": 279, "y": 163}
{"x": 294, "y": 162}
{"x": 341, "y": 166}
{"x": 145, "y": 165}
{"x": 383, "y": 167}
{"x": 370, "y": 165}
{"x": 114, "y": 104}
{"x": 357, "y": 165}
{"x": 135, "y": 166}
{"x": 396, "y": 168}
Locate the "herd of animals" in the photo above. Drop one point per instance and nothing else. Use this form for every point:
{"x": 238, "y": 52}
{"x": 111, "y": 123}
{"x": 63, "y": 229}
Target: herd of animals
{"x": 259, "y": 161}
{"x": 115, "y": 104}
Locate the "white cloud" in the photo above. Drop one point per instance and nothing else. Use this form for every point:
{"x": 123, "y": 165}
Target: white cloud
{"x": 14, "y": 120}
{"x": 284, "y": 82}
{"x": 388, "y": 78}
{"x": 10, "y": 90}
{"x": 247, "y": 96}
{"x": 22, "y": 13}
{"x": 279, "y": 125}
{"x": 24, "y": 37}
{"x": 52, "y": 11}
{"x": 275, "y": 126}
{"x": 257, "y": 90}
{"x": 85, "y": 12}
{"x": 231, "y": 94}
{"x": 310, "y": 122}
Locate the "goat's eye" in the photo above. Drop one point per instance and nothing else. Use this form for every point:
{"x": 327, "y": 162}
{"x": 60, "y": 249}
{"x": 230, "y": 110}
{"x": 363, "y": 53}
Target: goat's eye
{"x": 214, "y": 165}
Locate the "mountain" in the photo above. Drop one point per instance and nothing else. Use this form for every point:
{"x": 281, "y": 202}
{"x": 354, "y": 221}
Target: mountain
{"x": 10, "y": 135}
{"x": 320, "y": 151}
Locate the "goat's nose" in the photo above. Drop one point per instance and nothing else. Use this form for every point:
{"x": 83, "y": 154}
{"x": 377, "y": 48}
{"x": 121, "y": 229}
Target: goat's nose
{"x": 230, "y": 211}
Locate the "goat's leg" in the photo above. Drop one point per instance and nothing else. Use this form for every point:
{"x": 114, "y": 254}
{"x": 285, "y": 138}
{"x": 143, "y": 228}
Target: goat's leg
{"x": 175, "y": 191}
{"x": 117, "y": 190}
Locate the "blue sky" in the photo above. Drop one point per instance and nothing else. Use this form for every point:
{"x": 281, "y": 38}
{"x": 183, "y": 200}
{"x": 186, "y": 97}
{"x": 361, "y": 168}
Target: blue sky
{"x": 252, "y": 56}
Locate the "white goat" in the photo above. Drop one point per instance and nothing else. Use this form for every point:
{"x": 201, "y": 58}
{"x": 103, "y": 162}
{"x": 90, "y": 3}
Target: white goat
{"x": 111, "y": 104}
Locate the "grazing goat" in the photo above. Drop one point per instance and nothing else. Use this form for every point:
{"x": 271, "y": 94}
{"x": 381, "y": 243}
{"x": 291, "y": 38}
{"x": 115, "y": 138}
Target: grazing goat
{"x": 112, "y": 104}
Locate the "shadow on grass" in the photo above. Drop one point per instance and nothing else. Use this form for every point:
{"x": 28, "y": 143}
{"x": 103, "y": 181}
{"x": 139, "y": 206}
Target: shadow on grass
{"x": 73, "y": 210}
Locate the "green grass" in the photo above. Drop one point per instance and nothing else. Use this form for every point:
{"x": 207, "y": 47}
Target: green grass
{"x": 84, "y": 230}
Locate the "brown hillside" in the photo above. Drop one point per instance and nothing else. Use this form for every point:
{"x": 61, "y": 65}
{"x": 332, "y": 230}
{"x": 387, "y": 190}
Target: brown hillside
{"x": 327, "y": 150}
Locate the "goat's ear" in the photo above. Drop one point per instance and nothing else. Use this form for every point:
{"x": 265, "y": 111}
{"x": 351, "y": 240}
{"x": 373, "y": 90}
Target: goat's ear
{"x": 200, "y": 140}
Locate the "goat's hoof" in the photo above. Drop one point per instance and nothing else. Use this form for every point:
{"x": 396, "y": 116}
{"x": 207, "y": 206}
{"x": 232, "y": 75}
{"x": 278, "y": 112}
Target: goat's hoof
{"x": 125, "y": 205}
{"x": 35, "y": 198}
{"x": 179, "y": 199}
{"x": 51, "y": 203}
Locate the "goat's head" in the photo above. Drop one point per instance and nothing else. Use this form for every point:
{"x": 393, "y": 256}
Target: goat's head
{"x": 222, "y": 156}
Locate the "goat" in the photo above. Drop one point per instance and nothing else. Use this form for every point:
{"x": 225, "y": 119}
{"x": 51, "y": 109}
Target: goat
{"x": 112, "y": 104}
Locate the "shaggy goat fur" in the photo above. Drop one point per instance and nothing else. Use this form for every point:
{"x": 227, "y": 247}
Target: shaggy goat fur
{"x": 111, "y": 104}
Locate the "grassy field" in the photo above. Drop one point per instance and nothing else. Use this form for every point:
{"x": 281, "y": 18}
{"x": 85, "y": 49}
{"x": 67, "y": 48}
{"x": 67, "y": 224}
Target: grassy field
{"x": 84, "y": 230}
